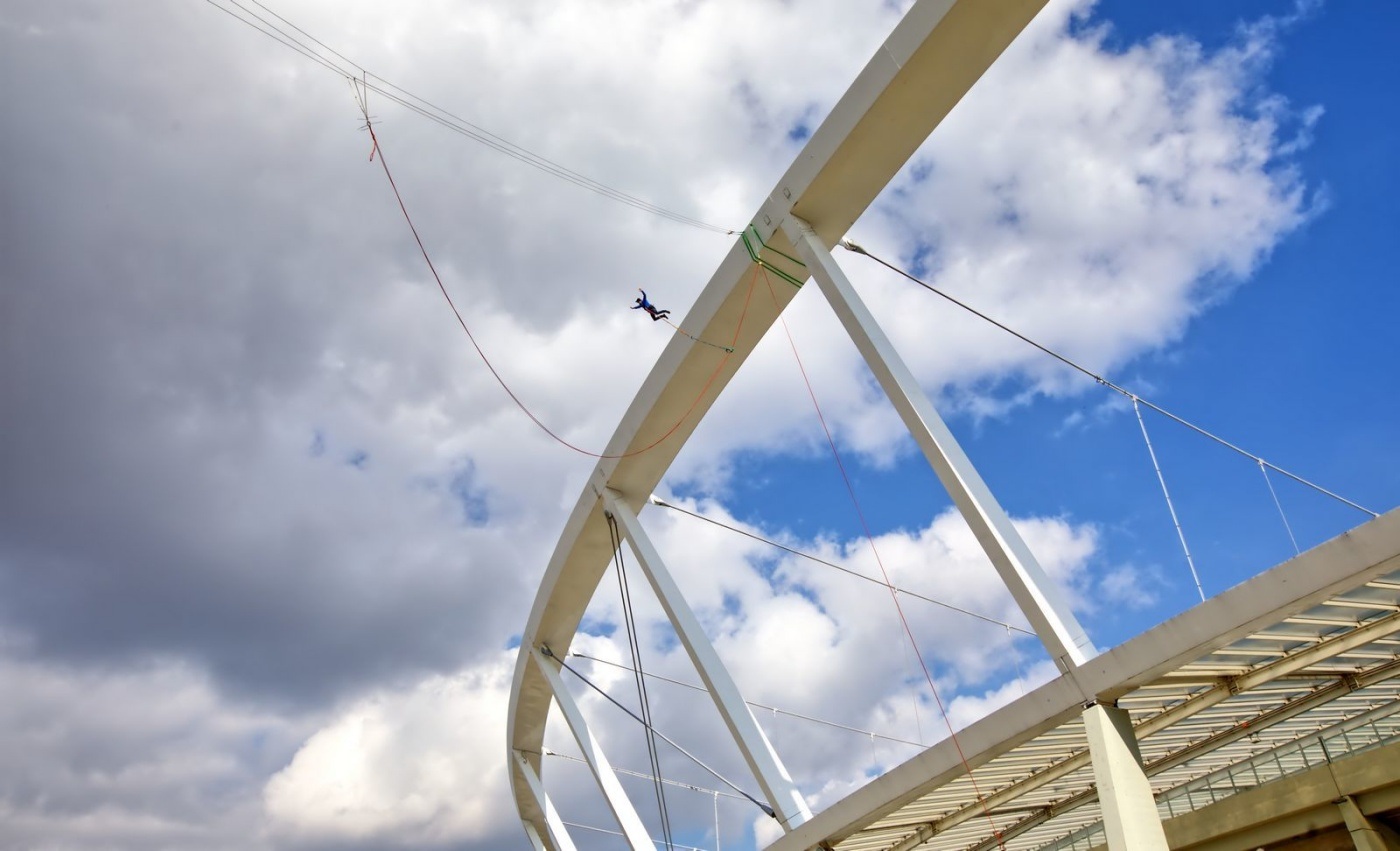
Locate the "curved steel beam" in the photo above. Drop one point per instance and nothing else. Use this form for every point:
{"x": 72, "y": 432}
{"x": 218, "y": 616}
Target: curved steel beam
{"x": 930, "y": 60}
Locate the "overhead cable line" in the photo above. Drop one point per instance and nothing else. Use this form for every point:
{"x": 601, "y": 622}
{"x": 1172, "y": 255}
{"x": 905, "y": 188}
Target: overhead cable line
{"x": 643, "y": 699}
{"x": 656, "y": 500}
{"x": 765, "y": 707}
{"x": 641, "y": 774}
{"x": 620, "y": 833}
{"x": 687, "y": 754}
{"x": 869, "y": 536}
{"x": 1273, "y": 493}
{"x": 1166, "y": 494}
{"x": 856, "y": 249}
{"x": 312, "y": 48}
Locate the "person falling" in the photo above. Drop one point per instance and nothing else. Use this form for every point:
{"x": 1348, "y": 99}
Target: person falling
{"x": 644, "y": 304}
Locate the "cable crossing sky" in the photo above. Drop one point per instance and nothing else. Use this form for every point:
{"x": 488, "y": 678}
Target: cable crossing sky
{"x": 300, "y": 41}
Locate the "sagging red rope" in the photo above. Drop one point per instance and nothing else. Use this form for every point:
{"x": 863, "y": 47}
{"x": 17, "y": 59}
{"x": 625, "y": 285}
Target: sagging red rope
{"x": 383, "y": 162}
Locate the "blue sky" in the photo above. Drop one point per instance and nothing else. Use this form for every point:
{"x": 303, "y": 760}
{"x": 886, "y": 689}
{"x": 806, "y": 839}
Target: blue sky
{"x": 1292, "y": 364}
{"x": 268, "y": 526}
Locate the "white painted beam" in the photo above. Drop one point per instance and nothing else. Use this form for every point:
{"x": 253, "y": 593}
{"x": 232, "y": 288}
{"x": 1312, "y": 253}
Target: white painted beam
{"x": 783, "y": 796}
{"x": 1130, "y": 814}
{"x": 923, "y": 69}
{"x": 621, "y": 806}
{"x": 534, "y": 836}
{"x": 1037, "y": 595}
{"x": 558, "y": 834}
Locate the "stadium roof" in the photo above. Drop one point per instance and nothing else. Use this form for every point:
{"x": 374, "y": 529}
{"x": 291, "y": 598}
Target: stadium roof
{"x": 1303, "y": 649}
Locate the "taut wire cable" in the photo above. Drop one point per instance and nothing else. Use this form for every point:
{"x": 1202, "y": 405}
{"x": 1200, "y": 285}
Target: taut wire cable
{"x": 662, "y": 736}
{"x": 611, "y": 832}
{"x": 856, "y": 249}
{"x": 1152, "y": 453}
{"x": 1279, "y": 505}
{"x": 441, "y": 116}
{"x": 685, "y": 333}
{"x": 643, "y": 699}
{"x": 755, "y": 705}
{"x": 655, "y": 500}
{"x": 639, "y": 774}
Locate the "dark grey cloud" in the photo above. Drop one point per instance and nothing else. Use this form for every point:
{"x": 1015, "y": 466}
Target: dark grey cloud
{"x": 257, "y": 494}
{"x": 179, "y": 270}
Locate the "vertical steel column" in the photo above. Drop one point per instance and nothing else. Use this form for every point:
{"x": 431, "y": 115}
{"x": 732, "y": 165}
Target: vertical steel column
{"x": 1039, "y": 598}
{"x": 783, "y": 796}
{"x": 558, "y": 834}
{"x": 1124, "y": 793}
{"x": 618, "y": 802}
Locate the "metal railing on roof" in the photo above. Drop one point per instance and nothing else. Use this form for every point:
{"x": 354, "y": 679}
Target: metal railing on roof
{"x": 1372, "y": 729}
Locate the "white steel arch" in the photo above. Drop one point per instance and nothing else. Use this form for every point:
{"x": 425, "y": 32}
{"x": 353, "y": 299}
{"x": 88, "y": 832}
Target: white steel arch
{"x": 923, "y": 69}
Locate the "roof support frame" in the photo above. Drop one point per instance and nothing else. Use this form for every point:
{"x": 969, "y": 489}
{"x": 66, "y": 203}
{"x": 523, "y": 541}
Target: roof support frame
{"x": 1363, "y": 554}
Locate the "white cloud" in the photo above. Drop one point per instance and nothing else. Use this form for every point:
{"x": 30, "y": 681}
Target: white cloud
{"x": 214, "y": 306}
{"x": 146, "y": 757}
{"x": 1094, "y": 198}
{"x": 812, "y": 640}
{"x": 1130, "y": 586}
{"x": 408, "y": 768}
{"x": 1098, "y": 209}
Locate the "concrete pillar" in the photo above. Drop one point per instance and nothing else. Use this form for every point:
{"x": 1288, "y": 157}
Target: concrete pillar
{"x": 1365, "y": 834}
{"x": 1130, "y": 819}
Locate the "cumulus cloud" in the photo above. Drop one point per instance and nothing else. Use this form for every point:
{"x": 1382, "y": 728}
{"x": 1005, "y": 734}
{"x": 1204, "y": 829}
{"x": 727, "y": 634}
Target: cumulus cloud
{"x": 267, "y": 522}
{"x": 149, "y": 756}
{"x": 1097, "y": 210}
{"x": 412, "y": 768}
{"x": 813, "y": 646}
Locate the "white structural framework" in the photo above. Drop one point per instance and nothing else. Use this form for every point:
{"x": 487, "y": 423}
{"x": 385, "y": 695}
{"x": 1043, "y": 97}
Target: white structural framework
{"x": 923, "y": 69}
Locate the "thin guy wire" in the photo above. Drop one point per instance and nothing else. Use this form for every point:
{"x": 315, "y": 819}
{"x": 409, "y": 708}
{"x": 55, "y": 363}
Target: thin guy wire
{"x": 763, "y": 706}
{"x": 317, "y": 41}
{"x": 1286, "y": 525}
{"x": 620, "y": 833}
{"x": 276, "y": 34}
{"x": 854, "y": 248}
{"x": 462, "y": 126}
{"x": 717, "y": 821}
{"x": 643, "y": 775}
{"x": 1166, "y": 493}
{"x": 667, "y": 739}
{"x": 634, "y": 645}
{"x": 949, "y": 606}
{"x": 860, "y": 513}
{"x": 446, "y": 119}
